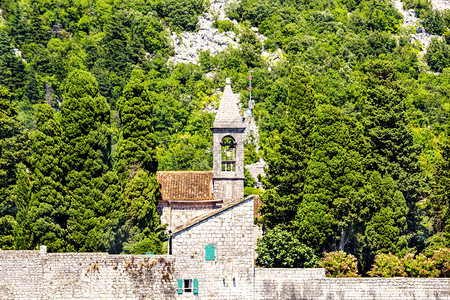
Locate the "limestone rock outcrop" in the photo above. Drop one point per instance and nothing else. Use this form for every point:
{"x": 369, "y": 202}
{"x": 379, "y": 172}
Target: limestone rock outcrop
{"x": 410, "y": 19}
{"x": 187, "y": 45}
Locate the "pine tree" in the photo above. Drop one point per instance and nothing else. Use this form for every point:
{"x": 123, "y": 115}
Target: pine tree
{"x": 13, "y": 143}
{"x": 12, "y": 68}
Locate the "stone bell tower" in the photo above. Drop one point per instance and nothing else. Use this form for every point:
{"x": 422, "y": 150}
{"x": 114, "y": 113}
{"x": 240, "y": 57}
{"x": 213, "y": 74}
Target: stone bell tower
{"x": 228, "y": 149}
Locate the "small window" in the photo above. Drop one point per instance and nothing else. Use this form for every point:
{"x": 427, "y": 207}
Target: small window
{"x": 210, "y": 252}
{"x": 188, "y": 285}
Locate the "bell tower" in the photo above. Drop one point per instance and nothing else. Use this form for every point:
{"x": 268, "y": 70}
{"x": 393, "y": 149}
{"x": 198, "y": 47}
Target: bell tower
{"x": 228, "y": 149}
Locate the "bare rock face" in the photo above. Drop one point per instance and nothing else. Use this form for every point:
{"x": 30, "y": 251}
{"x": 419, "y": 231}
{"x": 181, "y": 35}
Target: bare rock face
{"x": 410, "y": 19}
{"x": 440, "y": 4}
{"x": 188, "y": 45}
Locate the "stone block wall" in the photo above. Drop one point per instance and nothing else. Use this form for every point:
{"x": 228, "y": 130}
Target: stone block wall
{"x": 378, "y": 288}
{"x": 284, "y": 283}
{"x": 312, "y": 284}
{"x": 230, "y": 275}
{"x": 32, "y": 275}
{"x": 176, "y": 215}
{"x": 21, "y": 274}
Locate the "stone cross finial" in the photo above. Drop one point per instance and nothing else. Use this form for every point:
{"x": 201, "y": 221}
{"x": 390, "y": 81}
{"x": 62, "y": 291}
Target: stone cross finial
{"x": 228, "y": 81}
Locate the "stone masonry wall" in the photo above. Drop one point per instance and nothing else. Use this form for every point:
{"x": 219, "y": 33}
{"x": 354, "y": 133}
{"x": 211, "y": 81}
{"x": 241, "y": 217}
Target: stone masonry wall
{"x": 284, "y": 283}
{"x": 176, "y": 215}
{"x": 230, "y": 275}
{"x": 312, "y": 284}
{"x": 32, "y": 275}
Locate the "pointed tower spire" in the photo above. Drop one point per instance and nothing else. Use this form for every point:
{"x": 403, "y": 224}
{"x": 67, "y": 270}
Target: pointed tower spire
{"x": 228, "y": 149}
{"x": 228, "y": 114}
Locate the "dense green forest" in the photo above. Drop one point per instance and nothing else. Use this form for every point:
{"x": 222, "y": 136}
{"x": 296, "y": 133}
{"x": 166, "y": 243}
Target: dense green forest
{"x": 353, "y": 123}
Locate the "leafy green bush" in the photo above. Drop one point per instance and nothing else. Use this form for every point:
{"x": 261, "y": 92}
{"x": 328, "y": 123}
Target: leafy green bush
{"x": 434, "y": 22}
{"x": 279, "y": 249}
{"x": 181, "y": 15}
{"x": 339, "y": 264}
{"x": 438, "y": 55}
{"x": 419, "y": 266}
{"x": 224, "y": 25}
{"x": 387, "y": 265}
{"x": 441, "y": 261}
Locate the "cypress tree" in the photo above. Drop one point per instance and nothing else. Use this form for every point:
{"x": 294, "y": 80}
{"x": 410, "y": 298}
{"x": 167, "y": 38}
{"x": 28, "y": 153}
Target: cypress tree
{"x": 136, "y": 165}
{"x": 141, "y": 228}
{"x": 137, "y": 142}
{"x": 48, "y": 208}
{"x": 335, "y": 178}
{"x": 393, "y": 148}
{"x": 288, "y": 156}
{"x": 440, "y": 201}
{"x": 22, "y": 192}
{"x": 384, "y": 212}
{"x": 13, "y": 143}
{"x": 86, "y": 137}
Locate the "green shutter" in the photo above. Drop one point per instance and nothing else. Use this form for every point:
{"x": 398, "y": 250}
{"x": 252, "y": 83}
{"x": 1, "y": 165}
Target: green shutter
{"x": 195, "y": 286}
{"x": 180, "y": 286}
{"x": 210, "y": 252}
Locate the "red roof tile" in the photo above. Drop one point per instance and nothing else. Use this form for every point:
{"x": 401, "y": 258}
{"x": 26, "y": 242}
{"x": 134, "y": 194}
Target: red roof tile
{"x": 185, "y": 185}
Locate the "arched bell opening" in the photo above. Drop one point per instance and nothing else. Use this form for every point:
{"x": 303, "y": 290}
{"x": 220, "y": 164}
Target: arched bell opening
{"x": 228, "y": 147}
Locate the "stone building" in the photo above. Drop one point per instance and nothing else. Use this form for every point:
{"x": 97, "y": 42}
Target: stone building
{"x": 212, "y": 258}
{"x": 188, "y": 194}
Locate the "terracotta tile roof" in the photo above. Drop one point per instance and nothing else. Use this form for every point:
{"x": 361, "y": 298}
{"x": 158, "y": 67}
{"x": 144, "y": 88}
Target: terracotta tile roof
{"x": 185, "y": 185}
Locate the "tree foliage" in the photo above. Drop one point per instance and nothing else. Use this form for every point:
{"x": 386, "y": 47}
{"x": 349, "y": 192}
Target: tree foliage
{"x": 280, "y": 249}
{"x": 136, "y": 146}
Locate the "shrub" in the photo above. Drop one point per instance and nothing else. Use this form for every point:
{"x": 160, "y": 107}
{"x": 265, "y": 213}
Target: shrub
{"x": 434, "y": 22}
{"x": 419, "y": 266}
{"x": 224, "y": 25}
{"x": 441, "y": 262}
{"x": 438, "y": 55}
{"x": 339, "y": 264}
{"x": 278, "y": 248}
{"x": 387, "y": 265}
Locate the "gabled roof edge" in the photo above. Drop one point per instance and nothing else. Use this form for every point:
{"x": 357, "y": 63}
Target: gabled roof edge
{"x": 213, "y": 213}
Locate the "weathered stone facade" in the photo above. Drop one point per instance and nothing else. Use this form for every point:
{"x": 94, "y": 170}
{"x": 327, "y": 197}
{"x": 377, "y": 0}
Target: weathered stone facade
{"x": 230, "y": 275}
{"x": 35, "y": 275}
{"x": 179, "y": 214}
{"x": 312, "y": 284}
